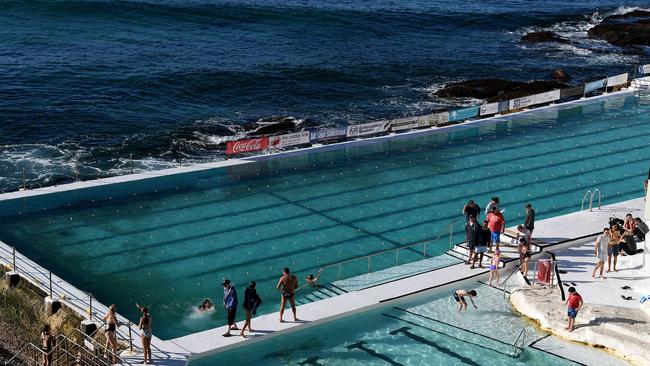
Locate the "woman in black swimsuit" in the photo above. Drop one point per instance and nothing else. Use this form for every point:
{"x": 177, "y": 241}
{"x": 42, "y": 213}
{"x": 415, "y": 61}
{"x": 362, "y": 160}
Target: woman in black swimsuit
{"x": 111, "y": 327}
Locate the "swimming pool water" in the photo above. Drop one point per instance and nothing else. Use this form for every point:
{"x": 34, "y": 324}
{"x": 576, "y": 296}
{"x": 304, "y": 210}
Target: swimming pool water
{"x": 426, "y": 331}
{"x": 168, "y": 242}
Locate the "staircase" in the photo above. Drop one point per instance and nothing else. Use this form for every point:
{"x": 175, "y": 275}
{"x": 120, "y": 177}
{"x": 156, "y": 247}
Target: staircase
{"x": 72, "y": 350}
{"x": 308, "y": 294}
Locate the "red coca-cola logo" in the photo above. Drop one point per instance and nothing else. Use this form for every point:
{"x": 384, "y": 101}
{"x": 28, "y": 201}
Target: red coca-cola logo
{"x": 243, "y": 146}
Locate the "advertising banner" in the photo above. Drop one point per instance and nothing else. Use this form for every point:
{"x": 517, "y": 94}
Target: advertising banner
{"x": 595, "y": 85}
{"x": 489, "y": 108}
{"x": 366, "y": 129}
{"x": 572, "y": 92}
{"x": 463, "y": 114}
{"x": 406, "y": 123}
{"x": 644, "y": 69}
{"x": 522, "y": 102}
{"x": 434, "y": 119}
{"x": 547, "y": 97}
{"x": 291, "y": 139}
{"x": 617, "y": 80}
{"x": 248, "y": 145}
{"x": 328, "y": 133}
{"x": 504, "y": 106}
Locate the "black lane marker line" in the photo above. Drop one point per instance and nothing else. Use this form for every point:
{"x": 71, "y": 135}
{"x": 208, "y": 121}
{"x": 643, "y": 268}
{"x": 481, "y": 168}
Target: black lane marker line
{"x": 313, "y": 361}
{"x": 558, "y": 356}
{"x": 539, "y": 339}
{"x": 361, "y": 346}
{"x": 453, "y": 326}
{"x": 417, "y": 338}
{"x": 445, "y": 334}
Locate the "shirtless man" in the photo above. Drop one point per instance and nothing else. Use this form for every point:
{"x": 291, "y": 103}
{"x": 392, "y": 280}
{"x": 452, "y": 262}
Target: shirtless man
{"x": 459, "y": 296}
{"x": 287, "y": 286}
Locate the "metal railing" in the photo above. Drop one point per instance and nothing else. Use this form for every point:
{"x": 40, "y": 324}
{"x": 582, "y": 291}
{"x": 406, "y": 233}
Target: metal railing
{"x": 519, "y": 343}
{"x": 590, "y": 194}
{"x": 51, "y": 285}
{"x": 368, "y": 258}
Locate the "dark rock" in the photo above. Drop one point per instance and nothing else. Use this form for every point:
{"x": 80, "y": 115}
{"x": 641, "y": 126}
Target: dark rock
{"x": 559, "y": 74}
{"x": 632, "y": 14}
{"x": 497, "y": 89}
{"x": 545, "y": 36}
{"x": 624, "y": 30}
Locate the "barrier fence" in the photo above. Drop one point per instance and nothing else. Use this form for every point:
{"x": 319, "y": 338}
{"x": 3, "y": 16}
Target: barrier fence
{"x": 369, "y": 129}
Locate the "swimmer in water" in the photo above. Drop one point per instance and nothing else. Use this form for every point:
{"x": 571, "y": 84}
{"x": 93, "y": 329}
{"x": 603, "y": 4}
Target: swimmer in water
{"x": 206, "y": 305}
{"x": 312, "y": 281}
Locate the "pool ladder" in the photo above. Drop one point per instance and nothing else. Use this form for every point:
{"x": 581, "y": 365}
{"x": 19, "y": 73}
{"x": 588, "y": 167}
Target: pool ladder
{"x": 590, "y": 194}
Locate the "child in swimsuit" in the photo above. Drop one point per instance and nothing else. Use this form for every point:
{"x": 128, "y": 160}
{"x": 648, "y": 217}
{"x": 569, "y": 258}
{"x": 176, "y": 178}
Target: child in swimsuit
{"x": 574, "y": 303}
{"x": 459, "y": 296}
{"x": 494, "y": 267}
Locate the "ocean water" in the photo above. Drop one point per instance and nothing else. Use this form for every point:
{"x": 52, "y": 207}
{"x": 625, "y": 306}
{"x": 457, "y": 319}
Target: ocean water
{"x": 95, "y": 88}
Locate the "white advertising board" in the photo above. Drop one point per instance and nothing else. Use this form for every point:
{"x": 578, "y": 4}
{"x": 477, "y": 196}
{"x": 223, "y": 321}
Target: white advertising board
{"x": 489, "y": 108}
{"x": 365, "y": 129}
{"x": 617, "y": 80}
{"x": 291, "y": 139}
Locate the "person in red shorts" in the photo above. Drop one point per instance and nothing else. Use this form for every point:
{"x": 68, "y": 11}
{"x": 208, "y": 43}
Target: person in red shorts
{"x": 574, "y": 304}
{"x": 497, "y": 225}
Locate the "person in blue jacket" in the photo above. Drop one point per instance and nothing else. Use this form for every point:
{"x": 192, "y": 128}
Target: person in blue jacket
{"x": 251, "y": 302}
{"x": 230, "y": 304}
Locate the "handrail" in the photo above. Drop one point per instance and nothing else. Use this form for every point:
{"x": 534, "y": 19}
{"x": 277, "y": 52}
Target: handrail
{"x": 396, "y": 250}
{"x": 591, "y": 195}
{"x": 520, "y": 349}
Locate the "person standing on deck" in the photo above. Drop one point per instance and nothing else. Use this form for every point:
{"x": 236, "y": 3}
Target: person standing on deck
{"x": 600, "y": 252}
{"x": 230, "y": 304}
{"x": 494, "y": 203}
{"x": 287, "y": 285}
{"x": 473, "y": 236}
{"x": 530, "y": 219}
{"x": 613, "y": 248}
{"x": 497, "y": 225}
{"x": 471, "y": 209}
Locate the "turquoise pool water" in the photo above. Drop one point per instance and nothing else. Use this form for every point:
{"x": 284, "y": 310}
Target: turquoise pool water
{"x": 167, "y": 242}
{"x": 426, "y": 331}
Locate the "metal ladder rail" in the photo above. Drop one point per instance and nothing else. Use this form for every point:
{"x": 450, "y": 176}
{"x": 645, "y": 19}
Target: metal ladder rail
{"x": 590, "y": 194}
{"x": 519, "y": 349}
{"x": 369, "y": 257}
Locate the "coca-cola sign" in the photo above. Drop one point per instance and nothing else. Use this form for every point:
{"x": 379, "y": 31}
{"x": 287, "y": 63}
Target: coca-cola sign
{"x": 249, "y": 145}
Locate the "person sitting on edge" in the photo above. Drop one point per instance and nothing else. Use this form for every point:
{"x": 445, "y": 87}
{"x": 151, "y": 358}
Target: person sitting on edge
{"x": 494, "y": 203}
{"x": 574, "y": 304}
{"x": 641, "y": 229}
{"x": 459, "y": 296}
{"x": 312, "y": 281}
{"x": 287, "y": 285}
{"x": 629, "y": 225}
{"x": 497, "y": 225}
{"x": 205, "y": 305}
{"x": 471, "y": 209}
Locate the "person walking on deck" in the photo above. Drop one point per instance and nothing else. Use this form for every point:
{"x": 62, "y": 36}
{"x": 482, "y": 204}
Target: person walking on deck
{"x": 530, "y": 219}
{"x": 471, "y": 209}
{"x": 230, "y": 304}
{"x": 600, "y": 252}
{"x": 574, "y": 304}
{"x": 494, "y": 267}
{"x": 287, "y": 285}
{"x": 251, "y": 302}
{"x": 473, "y": 237}
{"x": 497, "y": 225}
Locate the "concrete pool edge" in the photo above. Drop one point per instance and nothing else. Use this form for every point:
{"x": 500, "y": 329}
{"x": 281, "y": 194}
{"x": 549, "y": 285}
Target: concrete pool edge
{"x": 302, "y": 151}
